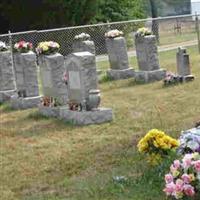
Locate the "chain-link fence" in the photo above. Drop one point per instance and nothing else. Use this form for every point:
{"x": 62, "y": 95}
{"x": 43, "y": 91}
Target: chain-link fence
{"x": 171, "y": 32}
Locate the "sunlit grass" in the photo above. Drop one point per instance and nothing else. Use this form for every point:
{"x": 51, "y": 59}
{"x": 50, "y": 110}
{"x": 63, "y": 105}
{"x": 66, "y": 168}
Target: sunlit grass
{"x": 47, "y": 159}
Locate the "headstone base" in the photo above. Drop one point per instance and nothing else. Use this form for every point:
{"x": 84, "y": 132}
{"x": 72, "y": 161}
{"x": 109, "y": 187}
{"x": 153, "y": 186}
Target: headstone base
{"x": 24, "y": 103}
{"x": 99, "y": 116}
{"x": 120, "y": 74}
{"x": 6, "y": 95}
{"x": 188, "y": 78}
{"x": 150, "y": 76}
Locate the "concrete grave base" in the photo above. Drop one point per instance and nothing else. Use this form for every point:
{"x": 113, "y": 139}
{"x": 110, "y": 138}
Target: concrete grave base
{"x": 98, "y": 116}
{"x": 6, "y": 95}
{"x": 188, "y": 78}
{"x": 24, "y": 103}
{"x": 117, "y": 74}
{"x": 150, "y": 76}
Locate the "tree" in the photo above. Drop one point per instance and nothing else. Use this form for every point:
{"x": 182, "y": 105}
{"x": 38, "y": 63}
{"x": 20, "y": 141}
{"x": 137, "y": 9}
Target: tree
{"x": 118, "y": 10}
{"x": 155, "y": 23}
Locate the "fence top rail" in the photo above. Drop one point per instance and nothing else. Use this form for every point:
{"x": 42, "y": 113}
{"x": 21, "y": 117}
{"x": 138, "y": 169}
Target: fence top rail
{"x": 100, "y": 24}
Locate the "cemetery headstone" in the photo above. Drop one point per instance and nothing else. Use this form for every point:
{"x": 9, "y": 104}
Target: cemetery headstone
{"x": 183, "y": 64}
{"x": 118, "y": 57}
{"x": 7, "y": 80}
{"x": 26, "y": 77}
{"x": 83, "y": 42}
{"x": 147, "y": 57}
{"x": 83, "y": 95}
{"x": 51, "y": 73}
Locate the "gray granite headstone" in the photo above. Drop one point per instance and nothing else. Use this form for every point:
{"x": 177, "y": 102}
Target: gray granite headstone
{"x": 7, "y": 79}
{"x": 51, "y": 72}
{"x": 82, "y": 76}
{"x": 26, "y": 74}
{"x": 183, "y": 62}
{"x": 85, "y": 45}
{"x": 147, "y": 53}
{"x": 117, "y": 53}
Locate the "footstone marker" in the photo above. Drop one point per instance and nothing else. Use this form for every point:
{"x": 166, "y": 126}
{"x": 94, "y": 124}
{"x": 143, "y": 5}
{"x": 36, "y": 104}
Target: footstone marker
{"x": 84, "y": 97}
{"x": 7, "y": 80}
{"x": 51, "y": 73}
{"x": 83, "y": 42}
{"x": 26, "y": 81}
{"x": 147, "y": 57}
{"x": 118, "y": 57}
{"x": 183, "y": 64}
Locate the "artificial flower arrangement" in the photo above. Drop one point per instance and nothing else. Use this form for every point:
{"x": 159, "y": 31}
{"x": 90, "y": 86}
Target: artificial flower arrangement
{"x": 190, "y": 141}
{"x": 50, "y": 102}
{"x": 47, "y": 48}
{"x": 183, "y": 180}
{"x": 113, "y": 33}
{"x": 171, "y": 78}
{"x": 143, "y": 32}
{"x": 82, "y": 37}
{"x": 23, "y": 46}
{"x": 157, "y": 145}
{"x": 3, "y": 46}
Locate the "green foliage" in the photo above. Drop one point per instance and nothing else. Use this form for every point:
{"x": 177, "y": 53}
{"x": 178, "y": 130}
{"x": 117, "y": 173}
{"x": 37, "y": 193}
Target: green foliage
{"x": 117, "y": 10}
{"x": 24, "y": 15}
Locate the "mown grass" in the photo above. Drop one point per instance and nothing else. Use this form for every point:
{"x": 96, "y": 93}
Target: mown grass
{"x": 47, "y": 159}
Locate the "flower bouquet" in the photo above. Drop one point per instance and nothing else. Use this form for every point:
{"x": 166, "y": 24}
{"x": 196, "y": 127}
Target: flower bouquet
{"x": 47, "y": 48}
{"x": 143, "y": 32}
{"x": 82, "y": 37}
{"x": 183, "y": 180}
{"x": 3, "y": 46}
{"x": 50, "y": 102}
{"x": 113, "y": 33}
{"x": 23, "y": 47}
{"x": 171, "y": 79}
{"x": 157, "y": 145}
{"x": 190, "y": 141}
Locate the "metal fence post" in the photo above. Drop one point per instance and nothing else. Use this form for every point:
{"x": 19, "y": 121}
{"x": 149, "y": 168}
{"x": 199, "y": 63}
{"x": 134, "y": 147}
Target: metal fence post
{"x": 11, "y": 51}
{"x": 197, "y": 30}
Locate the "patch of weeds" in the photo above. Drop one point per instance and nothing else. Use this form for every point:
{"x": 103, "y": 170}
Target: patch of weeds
{"x": 37, "y": 116}
{"x": 104, "y": 78}
{"x": 6, "y": 107}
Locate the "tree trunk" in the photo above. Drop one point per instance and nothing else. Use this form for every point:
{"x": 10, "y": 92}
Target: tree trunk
{"x": 155, "y": 23}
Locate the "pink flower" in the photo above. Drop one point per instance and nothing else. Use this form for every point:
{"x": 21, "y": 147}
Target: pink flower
{"x": 186, "y": 178}
{"x": 179, "y": 186}
{"x": 177, "y": 164}
{"x": 168, "y": 178}
{"x": 169, "y": 188}
{"x": 187, "y": 161}
{"x": 189, "y": 190}
{"x": 197, "y": 165}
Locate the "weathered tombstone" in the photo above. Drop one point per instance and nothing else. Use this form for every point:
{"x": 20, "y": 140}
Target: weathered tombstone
{"x": 83, "y": 42}
{"x": 183, "y": 64}
{"x": 118, "y": 57}
{"x": 147, "y": 57}
{"x": 7, "y": 80}
{"x": 83, "y": 95}
{"x": 51, "y": 73}
{"x": 26, "y": 81}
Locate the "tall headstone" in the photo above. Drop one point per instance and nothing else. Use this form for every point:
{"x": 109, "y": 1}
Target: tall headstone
{"x": 118, "y": 58}
{"x": 26, "y": 81}
{"x": 83, "y": 42}
{"x": 83, "y": 95}
{"x": 147, "y": 57}
{"x": 183, "y": 64}
{"x": 7, "y": 80}
{"x": 51, "y": 73}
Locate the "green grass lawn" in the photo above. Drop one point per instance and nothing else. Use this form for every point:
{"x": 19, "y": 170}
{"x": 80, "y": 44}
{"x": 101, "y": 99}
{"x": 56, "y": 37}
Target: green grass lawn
{"x": 47, "y": 159}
